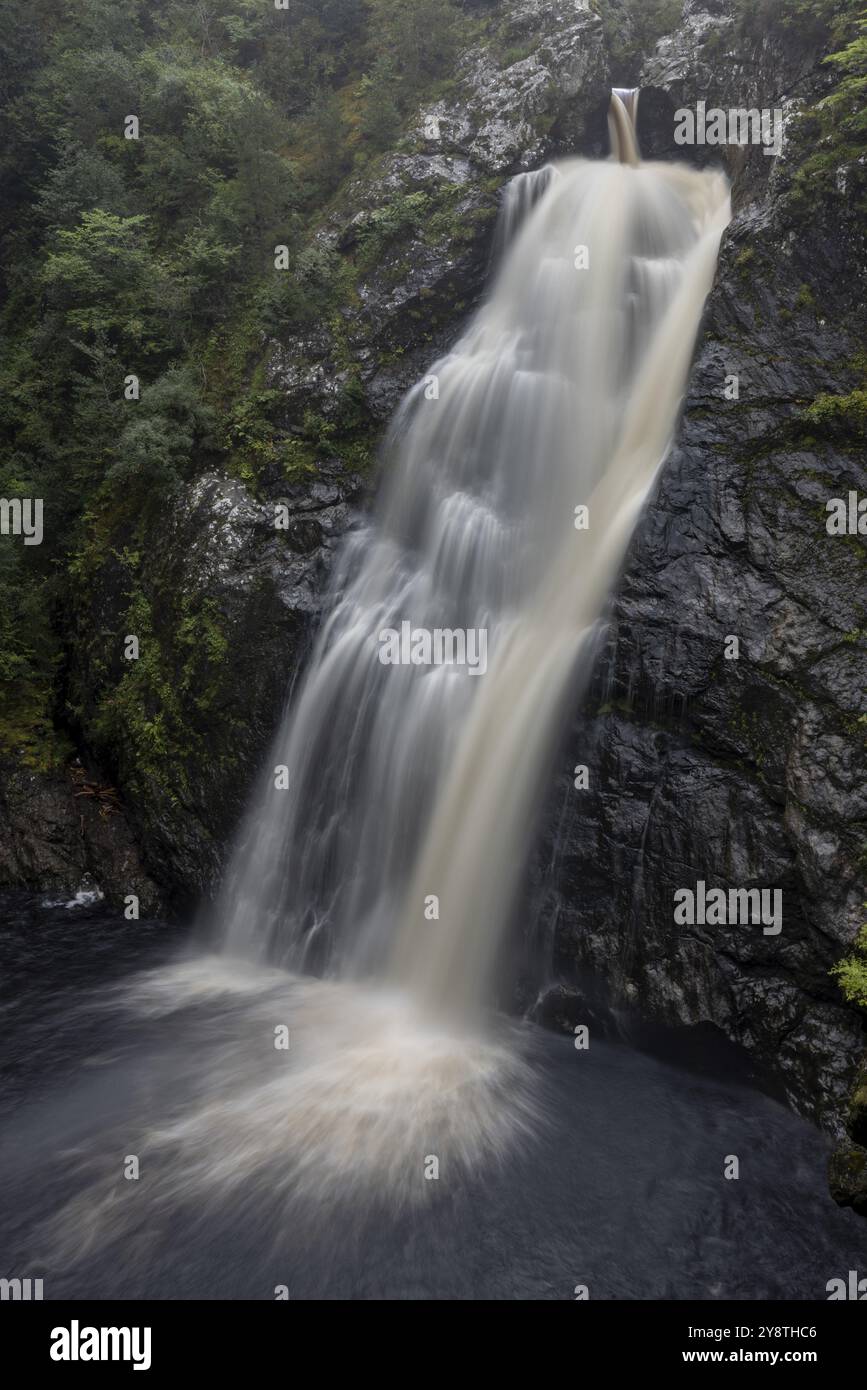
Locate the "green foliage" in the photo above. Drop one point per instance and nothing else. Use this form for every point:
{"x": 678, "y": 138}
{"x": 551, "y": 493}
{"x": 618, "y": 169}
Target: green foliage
{"x": 30, "y": 653}
{"x": 83, "y": 179}
{"x": 325, "y": 135}
{"x": 156, "y": 445}
{"x": 380, "y": 113}
{"x": 155, "y": 715}
{"x": 405, "y": 215}
{"x": 631, "y": 31}
{"x": 258, "y": 449}
{"x": 851, "y": 972}
{"x": 420, "y": 37}
{"x": 811, "y": 21}
{"x": 153, "y": 259}
{"x": 831, "y": 134}
{"x": 843, "y": 110}
{"x": 840, "y": 416}
{"x": 99, "y": 280}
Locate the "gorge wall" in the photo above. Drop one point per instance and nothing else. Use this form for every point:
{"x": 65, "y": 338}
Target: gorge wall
{"x": 745, "y": 772}
{"x": 739, "y": 773}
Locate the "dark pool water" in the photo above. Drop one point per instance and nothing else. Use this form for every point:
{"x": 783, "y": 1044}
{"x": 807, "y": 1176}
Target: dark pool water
{"x": 620, "y": 1187}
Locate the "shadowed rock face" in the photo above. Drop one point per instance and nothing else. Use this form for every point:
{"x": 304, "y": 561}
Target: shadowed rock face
{"x": 65, "y": 833}
{"x": 221, "y": 551}
{"x": 218, "y": 556}
{"x": 739, "y": 772}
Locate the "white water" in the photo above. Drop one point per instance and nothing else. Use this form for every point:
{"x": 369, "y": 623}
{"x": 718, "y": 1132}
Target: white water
{"x": 410, "y": 781}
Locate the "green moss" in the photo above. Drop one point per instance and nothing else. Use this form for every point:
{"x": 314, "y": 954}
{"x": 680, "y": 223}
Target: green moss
{"x": 298, "y": 460}
{"x": 518, "y": 52}
{"x": 153, "y": 717}
{"x": 453, "y": 223}
{"x": 404, "y": 216}
{"x": 840, "y": 416}
{"x": 851, "y": 972}
{"x": 804, "y": 298}
{"x": 27, "y": 730}
{"x": 744, "y": 260}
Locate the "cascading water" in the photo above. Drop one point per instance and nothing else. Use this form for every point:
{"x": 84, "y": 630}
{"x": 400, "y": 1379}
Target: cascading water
{"x": 413, "y": 781}
{"x": 623, "y": 124}
{"x": 408, "y": 782}
{"x": 520, "y": 196}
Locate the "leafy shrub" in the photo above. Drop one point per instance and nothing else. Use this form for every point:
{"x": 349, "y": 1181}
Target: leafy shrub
{"x": 851, "y": 972}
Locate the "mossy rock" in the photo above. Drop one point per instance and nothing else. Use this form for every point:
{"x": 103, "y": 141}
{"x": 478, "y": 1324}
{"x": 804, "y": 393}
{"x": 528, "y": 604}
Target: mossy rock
{"x": 856, "y": 1118}
{"x": 847, "y": 1177}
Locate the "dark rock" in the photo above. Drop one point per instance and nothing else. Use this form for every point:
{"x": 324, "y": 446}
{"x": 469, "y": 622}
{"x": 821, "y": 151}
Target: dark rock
{"x": 847, "y": 1177}
{"x": 856, "y": 1116}
{"x": 749, "y": 772}
{"x": 66, "y": 832}
{"x": 218, "y": 564}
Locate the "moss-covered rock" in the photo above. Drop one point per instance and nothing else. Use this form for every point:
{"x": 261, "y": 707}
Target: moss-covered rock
{"x": 856, "y": 1116}
{"x": 220, "y": 594}
{"x": 847, "y": 1177}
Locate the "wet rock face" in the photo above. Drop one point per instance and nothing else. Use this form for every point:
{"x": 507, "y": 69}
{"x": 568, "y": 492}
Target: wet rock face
{"x": 847, "y": 1177}
{"x": 541, "y": 89}
{"x": 503, "y": 123}
{"x": 65, "y": 833}
{"x": 159, "y": 827}
{"x": 264, "y": 584}
{"x": 739, "y": 772}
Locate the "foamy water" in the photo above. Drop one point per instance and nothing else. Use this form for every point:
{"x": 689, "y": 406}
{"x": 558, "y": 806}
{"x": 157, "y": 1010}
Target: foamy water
{"x": 620, "y": 1186}
{"x": 348, "y": 1116}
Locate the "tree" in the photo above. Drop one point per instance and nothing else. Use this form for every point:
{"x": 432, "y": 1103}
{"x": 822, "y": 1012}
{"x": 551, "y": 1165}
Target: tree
{"x": 99, "y": 275}
{"x": 419, "y": 36}
{"x": 380, "y": 115}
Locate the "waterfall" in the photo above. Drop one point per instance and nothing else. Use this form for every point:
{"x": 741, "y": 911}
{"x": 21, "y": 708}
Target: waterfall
{"x": 417, "y": 784}
{"x": 519, "y": 197}
{"x": 622, "y": 124}
{"x": 419, "y": 745}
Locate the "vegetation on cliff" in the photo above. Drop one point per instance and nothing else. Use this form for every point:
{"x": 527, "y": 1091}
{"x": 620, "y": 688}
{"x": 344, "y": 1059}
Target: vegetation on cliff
{"x": 153, "y": 258}
{"x": 852, "y": 971}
